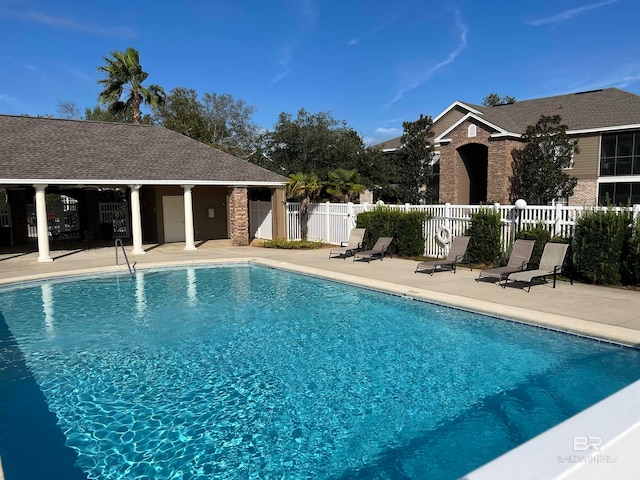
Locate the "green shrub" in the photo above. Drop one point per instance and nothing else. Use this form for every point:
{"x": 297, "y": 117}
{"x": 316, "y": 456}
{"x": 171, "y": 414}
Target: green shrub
{"x": 631, "y": 259}
{"x": 405, "y": 227}
{"x": 602, "y": 238}
{"x": 484, "y": 245}
{"x": 541, "y": 235}
{"x": 291, "y": 244}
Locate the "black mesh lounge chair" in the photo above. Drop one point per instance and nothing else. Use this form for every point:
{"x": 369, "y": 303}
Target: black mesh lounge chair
{"x": 457, "y": 253}
{"x": 354, "y": 244}
{"x": 518, "y": 261}
{"x": 378, "y": 250}
{"x": 550, "y": 264}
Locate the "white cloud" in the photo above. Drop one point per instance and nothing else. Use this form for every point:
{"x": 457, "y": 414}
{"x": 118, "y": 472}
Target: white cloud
{"x": 280, "y": 76}
{"x": 370, "y": 33}
{"x": 621, "y": 80}
{"x": 66, "y": 23}
{"x": 310, "y": 11}
{"x": 421, "y": 77}
{"x": 82, "y": 76}
{"x": 568, "y": 14}
{"x": 393, "y": 131}
{"x": 284, "y": 60}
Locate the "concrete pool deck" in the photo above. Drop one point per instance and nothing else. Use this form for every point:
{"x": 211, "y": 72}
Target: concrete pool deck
{"x": 599, "y": 312}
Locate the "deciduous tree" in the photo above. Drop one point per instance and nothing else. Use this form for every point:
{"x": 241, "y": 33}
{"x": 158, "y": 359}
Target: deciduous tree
{"x": 494, "y": 99}
{"x": 412, "y": 161}
{"x": 319, "y": 143}
{"x": 217, "y": 120}
{"x": 538, "y": 174}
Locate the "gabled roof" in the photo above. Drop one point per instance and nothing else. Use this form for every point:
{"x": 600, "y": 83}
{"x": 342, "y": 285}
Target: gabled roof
{"x": 596, "y": 109}
{"x": 73, "y": 151}
{"x": 592, "y": 111}
{"x": 478, "y": 119}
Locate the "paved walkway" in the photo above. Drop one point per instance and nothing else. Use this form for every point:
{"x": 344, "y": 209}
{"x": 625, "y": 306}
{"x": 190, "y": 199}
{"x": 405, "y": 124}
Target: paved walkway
{"x": 607, "y": 313}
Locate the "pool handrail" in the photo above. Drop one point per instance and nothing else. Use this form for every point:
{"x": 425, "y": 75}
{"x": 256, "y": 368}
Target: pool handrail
{"x": 132, "y": 268}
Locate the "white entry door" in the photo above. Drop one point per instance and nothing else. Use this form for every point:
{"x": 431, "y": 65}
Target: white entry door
{"x": 173, "y": 218}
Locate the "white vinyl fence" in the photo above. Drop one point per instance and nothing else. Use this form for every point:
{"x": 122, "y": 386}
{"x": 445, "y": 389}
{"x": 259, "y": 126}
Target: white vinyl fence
{"x": 332, "y": 222}
{"x": 260, "y": 220}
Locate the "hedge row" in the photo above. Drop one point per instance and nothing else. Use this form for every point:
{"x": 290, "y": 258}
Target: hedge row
{"x": 605, "y": 249}
{"x": 405, "y": 227}
{"x": 484, "y": 244}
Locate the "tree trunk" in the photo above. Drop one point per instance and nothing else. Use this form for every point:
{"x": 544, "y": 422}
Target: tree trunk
{"x": 304, "y": 217}
{"x": 135, "y": 107}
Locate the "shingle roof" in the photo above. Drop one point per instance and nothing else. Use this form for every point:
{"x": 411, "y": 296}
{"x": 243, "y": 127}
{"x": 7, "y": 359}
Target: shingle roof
{"x": 597, "y": 109}
{"x": 44, "y": 148}
{"x": 390, "y": 144}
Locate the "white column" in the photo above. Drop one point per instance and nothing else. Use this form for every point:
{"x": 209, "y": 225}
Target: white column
{"x": 188, "y": 218}
{"x": 42, "y": 225}
{"x": 136, "y": 220}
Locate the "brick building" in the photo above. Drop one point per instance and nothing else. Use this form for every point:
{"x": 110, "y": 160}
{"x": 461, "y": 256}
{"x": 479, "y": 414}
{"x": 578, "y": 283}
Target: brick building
{"x": 473, "y": 146}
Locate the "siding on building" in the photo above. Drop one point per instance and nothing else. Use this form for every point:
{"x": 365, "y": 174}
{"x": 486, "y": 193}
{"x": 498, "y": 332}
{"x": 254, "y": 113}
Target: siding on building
{"x": 586, "y": 163}
{"x": 448, "y": 120}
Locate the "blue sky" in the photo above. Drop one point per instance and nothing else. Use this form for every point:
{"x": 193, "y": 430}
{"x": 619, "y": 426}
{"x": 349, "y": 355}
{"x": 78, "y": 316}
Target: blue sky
{"x": 372, "y": 63}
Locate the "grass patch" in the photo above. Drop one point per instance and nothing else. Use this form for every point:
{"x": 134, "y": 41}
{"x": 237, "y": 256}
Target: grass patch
{"x": 292, "y": 244}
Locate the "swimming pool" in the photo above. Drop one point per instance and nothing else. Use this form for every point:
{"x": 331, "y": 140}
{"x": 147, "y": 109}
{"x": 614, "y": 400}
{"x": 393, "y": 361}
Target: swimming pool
{"x": 251, "y": 372}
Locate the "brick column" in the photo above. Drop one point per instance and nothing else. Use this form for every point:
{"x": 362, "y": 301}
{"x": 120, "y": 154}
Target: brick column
{"x": 239, "y": 216}
{"x": 500, "y": 170}
{"x": 448, "y": 174}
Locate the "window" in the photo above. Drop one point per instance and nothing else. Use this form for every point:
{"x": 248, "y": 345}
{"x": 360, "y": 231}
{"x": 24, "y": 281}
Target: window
{"x": 433, "y": 187}
{"x": 619, "y": 193}
{"x": 471, "y": 131}
{"x": 620, "y": 154}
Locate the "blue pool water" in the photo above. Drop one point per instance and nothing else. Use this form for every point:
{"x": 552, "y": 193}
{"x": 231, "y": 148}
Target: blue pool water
{"x": 246, "y": 372}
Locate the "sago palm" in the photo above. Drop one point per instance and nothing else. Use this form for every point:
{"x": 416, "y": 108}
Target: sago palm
{"x": 303, "y": 187}
{"x": 122, "y": 87}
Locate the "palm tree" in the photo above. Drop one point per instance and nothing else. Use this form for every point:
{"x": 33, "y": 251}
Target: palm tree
{"x": 344, "y": 184}
{"x": 124, "y": 78}
{"x": 303, "y": 187}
